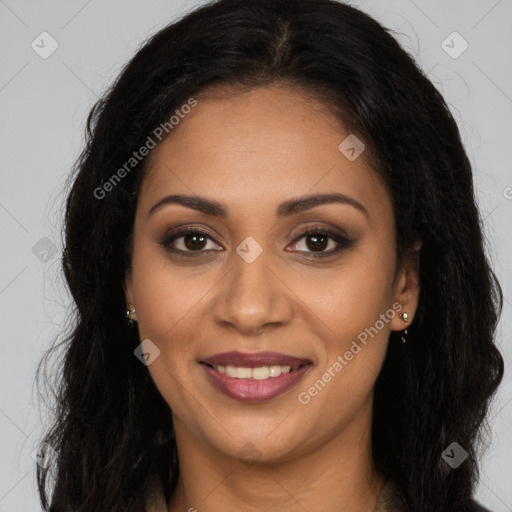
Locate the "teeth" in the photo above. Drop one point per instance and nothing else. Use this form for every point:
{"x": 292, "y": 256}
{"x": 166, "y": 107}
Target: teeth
{"x": 275, "y": 371}
{"x": 260, "y": 373}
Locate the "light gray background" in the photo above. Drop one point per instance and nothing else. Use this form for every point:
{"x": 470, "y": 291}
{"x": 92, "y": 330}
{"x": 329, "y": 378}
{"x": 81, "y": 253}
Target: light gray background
{"x": 44, "y": 103}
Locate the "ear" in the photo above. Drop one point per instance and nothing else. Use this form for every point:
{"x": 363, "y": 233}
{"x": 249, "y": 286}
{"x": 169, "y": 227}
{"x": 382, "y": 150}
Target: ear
{"x": 407, "y": 288}
{"x": 128, "y": 289}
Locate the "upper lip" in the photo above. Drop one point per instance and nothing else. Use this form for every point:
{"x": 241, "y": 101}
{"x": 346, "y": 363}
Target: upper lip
{"x": 254, "y": 360}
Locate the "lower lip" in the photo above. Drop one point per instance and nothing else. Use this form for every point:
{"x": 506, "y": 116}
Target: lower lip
{"x": 253, "y": 390}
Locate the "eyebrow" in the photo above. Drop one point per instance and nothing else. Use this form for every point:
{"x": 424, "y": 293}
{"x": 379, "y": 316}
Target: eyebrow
{"x": 285, "y": 209}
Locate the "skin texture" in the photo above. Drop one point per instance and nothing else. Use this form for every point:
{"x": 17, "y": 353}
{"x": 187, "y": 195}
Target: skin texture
{"x": 252, "y": 151}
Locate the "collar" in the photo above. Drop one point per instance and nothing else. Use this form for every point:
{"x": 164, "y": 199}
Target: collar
{"x": 390, "y": 498}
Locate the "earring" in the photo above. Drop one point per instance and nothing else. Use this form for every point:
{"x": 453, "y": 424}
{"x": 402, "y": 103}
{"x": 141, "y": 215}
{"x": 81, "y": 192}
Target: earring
{"x": 405, "y": 318}
{"x": 127, "y": 314}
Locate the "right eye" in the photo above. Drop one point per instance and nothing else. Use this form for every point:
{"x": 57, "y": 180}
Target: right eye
{"x": 187, "y": 242}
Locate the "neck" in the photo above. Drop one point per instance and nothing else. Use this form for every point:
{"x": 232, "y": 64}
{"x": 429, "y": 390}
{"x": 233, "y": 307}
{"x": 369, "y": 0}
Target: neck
{"x": 336, "y": 475}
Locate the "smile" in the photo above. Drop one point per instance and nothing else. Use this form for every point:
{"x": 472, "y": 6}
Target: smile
{"x": 253, "y": 379}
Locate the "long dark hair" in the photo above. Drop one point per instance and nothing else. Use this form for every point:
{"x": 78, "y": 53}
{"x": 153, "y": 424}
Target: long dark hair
{"x": 111, "y": 424}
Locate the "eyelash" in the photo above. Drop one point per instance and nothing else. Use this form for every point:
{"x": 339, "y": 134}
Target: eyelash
{"x": 342, "y": 241}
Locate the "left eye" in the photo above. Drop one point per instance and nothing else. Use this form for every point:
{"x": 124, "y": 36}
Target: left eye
{"x": 317, "y": 241}
{"x": 190, "y": 241}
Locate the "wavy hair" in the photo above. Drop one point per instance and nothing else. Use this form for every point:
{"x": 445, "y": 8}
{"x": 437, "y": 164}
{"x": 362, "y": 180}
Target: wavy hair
{"x": 111, "y": 425}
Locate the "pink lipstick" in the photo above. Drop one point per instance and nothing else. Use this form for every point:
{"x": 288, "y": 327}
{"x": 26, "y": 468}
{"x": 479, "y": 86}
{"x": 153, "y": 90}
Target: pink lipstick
{"x": 254, "y": 377}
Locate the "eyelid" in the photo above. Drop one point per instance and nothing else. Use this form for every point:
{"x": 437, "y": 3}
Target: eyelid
{"x": 317, "y": 228}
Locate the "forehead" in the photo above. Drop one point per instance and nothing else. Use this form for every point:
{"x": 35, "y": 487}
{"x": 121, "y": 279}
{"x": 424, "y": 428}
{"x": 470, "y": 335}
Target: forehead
{"x": 255, "y": 149}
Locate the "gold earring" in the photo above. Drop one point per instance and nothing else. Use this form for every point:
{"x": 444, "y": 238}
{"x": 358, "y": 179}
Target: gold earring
{"x": 405, "y": 317}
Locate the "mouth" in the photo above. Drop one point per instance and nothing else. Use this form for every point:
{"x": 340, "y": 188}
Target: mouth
{"x": 254, "y": 377}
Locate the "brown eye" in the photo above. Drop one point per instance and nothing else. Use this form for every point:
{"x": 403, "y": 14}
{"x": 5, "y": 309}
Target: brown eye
{"x": 189, "y": 242}
{"x": 318, "y": 240}
{"x": 194, "y": 241}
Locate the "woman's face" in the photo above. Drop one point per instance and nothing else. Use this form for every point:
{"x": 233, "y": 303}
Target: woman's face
{"x": 247, "y": 280}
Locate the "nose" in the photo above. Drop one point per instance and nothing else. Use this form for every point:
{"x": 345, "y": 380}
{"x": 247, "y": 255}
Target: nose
{"x": 253, "y": 296}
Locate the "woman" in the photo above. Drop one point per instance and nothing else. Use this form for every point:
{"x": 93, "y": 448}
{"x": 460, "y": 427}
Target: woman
{"x": 282, "y": 295}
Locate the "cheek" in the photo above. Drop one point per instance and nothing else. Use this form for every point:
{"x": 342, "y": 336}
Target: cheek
{"x": 346, "y": 300}
{"x": 350, "y": 302}
{"x": 167, "y": 313}
{"x": 167, "y": 297}
{"x": 343, "y": 382}
{"x": 168, "y": 306}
